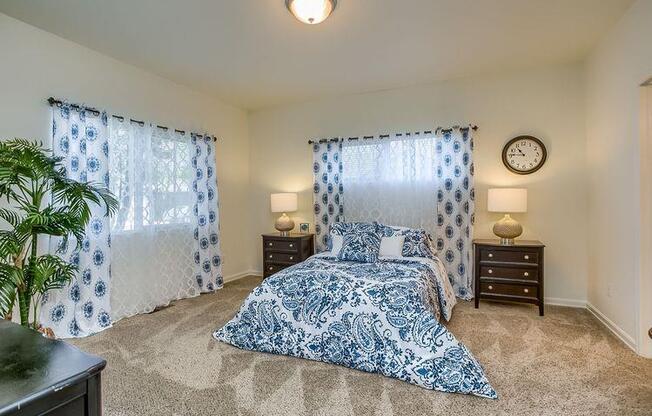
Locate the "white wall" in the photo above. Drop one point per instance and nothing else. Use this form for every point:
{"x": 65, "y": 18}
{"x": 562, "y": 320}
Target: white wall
{"x": 546, "y": 103}
{"x": 617, "y": 67}
{"x": 35, "y": 65}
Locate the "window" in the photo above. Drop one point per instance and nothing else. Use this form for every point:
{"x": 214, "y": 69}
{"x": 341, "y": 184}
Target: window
{"x": 392, "y": 180}
{"x": 151, "y": 174}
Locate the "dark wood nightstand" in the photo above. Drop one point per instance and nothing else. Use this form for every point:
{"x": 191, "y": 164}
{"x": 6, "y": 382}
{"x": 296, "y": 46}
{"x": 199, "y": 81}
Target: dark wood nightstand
{"x": 513, "y": 273}
{"x": 40, "y": 376}
{"x": 280, "y": 252}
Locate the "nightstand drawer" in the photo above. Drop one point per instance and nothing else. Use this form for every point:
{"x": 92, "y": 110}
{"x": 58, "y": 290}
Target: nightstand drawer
{"x": 521, "y": 273}
{"x": 282, "y": 245}
{"x": 493, "y": 288}
{"x": 509, "y": 256}
{"x": 271, "y": 268}
{"x": 271, "y": 256}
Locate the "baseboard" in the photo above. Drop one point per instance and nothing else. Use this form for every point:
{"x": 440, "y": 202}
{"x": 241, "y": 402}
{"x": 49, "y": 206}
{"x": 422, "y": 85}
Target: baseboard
{"x": 617, "y": 331}
{"x": 572, "y": 303}
{"x": 240, "y": 275}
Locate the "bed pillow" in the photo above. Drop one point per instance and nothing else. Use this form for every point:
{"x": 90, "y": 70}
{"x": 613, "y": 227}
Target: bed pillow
{"x": 390, "y": 230}
{"x": 392, "y": 246}
{"x": 362, "y": 246}
{"x": 417, "y": 244}
{"x": 336, "y": 244}
{"x": 338, "y": 229}
{"x": 341, "y": 228}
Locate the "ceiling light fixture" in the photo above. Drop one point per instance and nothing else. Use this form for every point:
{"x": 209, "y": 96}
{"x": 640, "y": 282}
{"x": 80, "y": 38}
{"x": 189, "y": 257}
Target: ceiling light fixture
{"x": 311, "y": 12}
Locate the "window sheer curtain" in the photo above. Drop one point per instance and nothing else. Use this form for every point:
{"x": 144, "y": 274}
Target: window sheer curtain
{"x": 419, "y": 181}
{"x": 152, "y": 234}
{"x": 391, "y": 180}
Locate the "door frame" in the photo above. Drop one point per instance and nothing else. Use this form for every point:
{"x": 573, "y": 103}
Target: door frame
{"x": 644, "y": 341}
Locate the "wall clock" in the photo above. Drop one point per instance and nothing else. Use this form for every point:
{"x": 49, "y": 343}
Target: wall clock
{"x": 524, "y": 155}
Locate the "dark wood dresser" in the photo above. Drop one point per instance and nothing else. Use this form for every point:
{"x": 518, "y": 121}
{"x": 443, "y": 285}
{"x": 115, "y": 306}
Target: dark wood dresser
{"x": 280, "y": 252}
{"x": 40, "y": 376}
{"x": 513, "y": 273}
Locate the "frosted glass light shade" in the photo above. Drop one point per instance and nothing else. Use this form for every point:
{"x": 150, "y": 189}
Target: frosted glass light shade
{"x": 311, "y": 12}
{"x": 507, "y": 200}
{"x": 285, "y": 202}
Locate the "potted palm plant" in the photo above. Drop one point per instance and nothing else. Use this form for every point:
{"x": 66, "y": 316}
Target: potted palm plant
{"x": 37, "y": 199}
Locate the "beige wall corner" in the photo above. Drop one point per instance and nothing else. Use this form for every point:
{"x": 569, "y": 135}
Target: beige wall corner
{"x": 615, "y": 71}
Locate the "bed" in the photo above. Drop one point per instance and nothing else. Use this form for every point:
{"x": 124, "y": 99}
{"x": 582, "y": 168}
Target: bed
{"x": 382, "y": 317}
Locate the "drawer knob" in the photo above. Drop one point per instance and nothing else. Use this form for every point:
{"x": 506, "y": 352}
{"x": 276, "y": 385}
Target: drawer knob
{"x": 491, "y": 287}
{"x": 526, "y": 290}
{"x": 270, "y": 244}
{"x": 491, "y": 255}
{"x": 526, "y": 257}
{"x": 526, "y": 274}
{"x": 291, "y": 245}
{"x": 490, "y": 271}
{"x": 270, "y": 256}
{"x": 271, "y": 268}
{"x": 291, "y": 257}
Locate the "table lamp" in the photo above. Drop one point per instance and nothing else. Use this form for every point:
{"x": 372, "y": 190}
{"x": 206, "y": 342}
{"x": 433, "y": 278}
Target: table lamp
{"x": 507, "y": 200}
{"x": 284, "y": 202}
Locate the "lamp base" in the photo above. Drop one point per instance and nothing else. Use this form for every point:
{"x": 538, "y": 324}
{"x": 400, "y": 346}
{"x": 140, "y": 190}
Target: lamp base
{"x": 507, "y": 229}
{"x": 284, "y": 225}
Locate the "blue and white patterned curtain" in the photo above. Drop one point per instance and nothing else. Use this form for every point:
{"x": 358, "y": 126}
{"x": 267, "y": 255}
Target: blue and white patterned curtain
{"x": 456, "y": 207}
{"x": 207, "y": 255}
{"x": 83, "y": 307}
{"x": 328, "y": 191}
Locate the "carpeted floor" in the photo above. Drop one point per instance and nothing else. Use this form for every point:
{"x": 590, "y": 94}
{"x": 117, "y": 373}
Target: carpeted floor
{"x": 166, "y": 363}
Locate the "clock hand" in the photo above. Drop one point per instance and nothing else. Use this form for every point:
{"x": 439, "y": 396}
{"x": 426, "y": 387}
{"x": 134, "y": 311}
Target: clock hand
{"x": 521, "y": 152}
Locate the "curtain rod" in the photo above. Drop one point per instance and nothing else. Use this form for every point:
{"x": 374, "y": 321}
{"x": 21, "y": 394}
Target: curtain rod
{"x": 385, "y": 136}
{"x": 54, "y": 102}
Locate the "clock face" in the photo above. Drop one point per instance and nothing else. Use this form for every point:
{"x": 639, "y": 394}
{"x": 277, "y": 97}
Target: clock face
{"x": 524, "y": 154}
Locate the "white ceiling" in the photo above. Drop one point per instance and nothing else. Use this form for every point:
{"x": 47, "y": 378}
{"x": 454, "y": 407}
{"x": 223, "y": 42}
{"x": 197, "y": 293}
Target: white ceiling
{"x": 254, "y": 54}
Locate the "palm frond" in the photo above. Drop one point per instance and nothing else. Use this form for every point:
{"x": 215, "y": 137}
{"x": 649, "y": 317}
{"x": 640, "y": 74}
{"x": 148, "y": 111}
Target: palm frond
{"x": 10, "y": 278}
{"x": 11, "y": 244}
{"x": 11, "y": 216}
{"x": 49, "y": 272}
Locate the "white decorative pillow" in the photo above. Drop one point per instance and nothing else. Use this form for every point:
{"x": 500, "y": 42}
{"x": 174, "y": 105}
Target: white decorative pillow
{"x": 337, "y": 241}
{"x": 392, "y": 246}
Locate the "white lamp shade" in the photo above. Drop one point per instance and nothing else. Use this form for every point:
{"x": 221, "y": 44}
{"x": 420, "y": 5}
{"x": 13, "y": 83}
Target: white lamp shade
{"x": 285, "y": 202}
{"x": 507, "y": 200}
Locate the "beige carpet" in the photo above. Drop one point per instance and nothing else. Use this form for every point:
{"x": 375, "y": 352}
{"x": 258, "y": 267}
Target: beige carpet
{"x": 166, "y": 363}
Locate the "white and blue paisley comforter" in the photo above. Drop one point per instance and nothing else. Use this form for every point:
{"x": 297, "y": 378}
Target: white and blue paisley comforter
{"x": 380, "y": 317}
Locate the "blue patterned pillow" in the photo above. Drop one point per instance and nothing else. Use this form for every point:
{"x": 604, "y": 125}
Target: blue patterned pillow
{"x": 362, "y": 246}
{"x": 341, "y": 228}
{"x": 390, "y": 231}
{"x": 417, "y": 244}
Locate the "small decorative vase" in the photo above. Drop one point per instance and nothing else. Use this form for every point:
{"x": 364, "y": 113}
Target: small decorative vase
{"x": 284, "y": 224}
{"x": 507, "y": 229}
